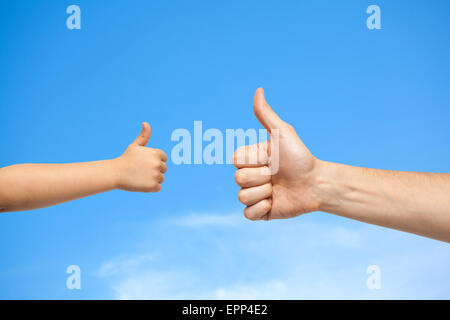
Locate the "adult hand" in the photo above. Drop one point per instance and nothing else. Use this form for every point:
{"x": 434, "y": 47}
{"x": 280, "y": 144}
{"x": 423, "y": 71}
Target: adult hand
{"x": 291, "y": 190}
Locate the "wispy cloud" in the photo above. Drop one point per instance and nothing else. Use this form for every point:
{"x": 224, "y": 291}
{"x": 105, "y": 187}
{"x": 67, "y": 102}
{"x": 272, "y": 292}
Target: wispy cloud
{"x": 205, "y": 220}
{"x": 160, "y": 285}
{"x": 153, "y": 285}
{"x": 199, "y": 257}
{"x": 264, "y": 290}
{"x": 124, "y": 264}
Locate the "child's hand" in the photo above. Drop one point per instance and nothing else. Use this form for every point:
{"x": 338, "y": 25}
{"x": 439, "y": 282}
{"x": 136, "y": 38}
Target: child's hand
{"x": 141, "y": 168}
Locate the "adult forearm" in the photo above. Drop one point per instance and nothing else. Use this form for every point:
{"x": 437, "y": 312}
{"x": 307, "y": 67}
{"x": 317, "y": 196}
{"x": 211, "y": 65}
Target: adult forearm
{"x": 409, "y": 201}
{"x": 31, "y": 186}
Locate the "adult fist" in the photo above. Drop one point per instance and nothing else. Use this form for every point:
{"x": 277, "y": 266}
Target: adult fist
{"x": 141, "y": 168}
{"x": 281, "y": 185}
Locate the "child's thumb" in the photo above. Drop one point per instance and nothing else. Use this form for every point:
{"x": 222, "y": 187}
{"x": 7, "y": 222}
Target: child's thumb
{"x": 144, "y": 136}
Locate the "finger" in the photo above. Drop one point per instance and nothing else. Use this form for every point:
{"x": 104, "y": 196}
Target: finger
{"x": 162, "y": 154}
{"x": 268, "y": 118}
{"x": 259, "y": 210}
{"x": 252, "y": 177}
{"x": 249, "y": 196}
{"x": 160, "y": 178}
{"x": 251, "y": 156}
{"x": 144, "y": 136}
{"x": 163, "y": 168}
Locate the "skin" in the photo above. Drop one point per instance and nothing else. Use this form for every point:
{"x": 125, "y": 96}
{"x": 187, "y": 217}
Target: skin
{"x": 414, "y": 202}
{"x": 32, "y": 186}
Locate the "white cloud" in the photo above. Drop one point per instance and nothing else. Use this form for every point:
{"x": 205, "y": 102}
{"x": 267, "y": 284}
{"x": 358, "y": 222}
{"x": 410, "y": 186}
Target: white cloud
{"x": 124, "y": 264}
{"x": 161, "y": 285}
{"x": 267, "y": 290}
{"x": 306, "y": 258}
{"x": 151, "y": 285}
{"x": 204, "y": 220}
{"x": 346, "y": 237}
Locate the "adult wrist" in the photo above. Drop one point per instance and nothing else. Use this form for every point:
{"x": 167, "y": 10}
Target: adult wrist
{"x": 326, "y": 186}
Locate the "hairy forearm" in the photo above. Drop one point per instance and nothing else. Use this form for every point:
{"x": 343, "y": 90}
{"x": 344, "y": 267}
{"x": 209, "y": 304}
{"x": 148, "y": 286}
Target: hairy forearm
{"x": 32, "y": 186}
{"x": 409, "y": 201}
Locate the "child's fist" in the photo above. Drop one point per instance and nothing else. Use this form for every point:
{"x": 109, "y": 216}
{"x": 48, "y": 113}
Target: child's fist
{"x": 141, "y": 168}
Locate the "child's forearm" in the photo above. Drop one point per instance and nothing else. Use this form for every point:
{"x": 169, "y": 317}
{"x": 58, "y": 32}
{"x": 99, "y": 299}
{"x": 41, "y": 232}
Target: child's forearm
{"x": 32, "y": 186}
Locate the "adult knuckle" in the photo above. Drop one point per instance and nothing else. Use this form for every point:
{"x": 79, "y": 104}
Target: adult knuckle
{"x": 247, "y": 215}
{"x": 236, "y": 156}
{"x": 267, "y": 205}
{"x": 242, "y": 196}
{"x": 240, "y": 177}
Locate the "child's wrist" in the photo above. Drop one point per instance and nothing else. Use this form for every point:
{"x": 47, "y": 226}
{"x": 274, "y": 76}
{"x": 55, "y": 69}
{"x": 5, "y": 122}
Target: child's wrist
{"x": 113, "y": 168}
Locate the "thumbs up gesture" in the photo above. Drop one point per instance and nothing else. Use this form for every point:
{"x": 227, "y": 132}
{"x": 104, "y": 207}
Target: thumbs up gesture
{"x": 141, "y": 168}
{"x": 289, "y": 190}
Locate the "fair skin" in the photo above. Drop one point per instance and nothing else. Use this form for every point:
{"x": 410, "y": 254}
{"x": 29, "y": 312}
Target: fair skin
{"x": 33, "y": 186}
{"x": 414, "y": 202}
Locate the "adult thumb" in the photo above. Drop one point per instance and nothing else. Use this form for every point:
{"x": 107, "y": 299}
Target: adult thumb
{"x": 268, "y": 118}
{"x": 144, "y": 136}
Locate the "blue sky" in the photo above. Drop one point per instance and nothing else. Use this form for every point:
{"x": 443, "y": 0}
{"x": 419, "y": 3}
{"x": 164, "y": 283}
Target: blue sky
{"x": 374, "y": 98}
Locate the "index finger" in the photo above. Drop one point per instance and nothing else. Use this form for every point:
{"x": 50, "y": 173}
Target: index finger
{"x": 251, "y": 156}
{"x": 162, "y": 154}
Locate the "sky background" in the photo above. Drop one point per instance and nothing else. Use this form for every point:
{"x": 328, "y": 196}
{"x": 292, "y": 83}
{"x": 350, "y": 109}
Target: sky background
{"x": 372, "y": 98}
